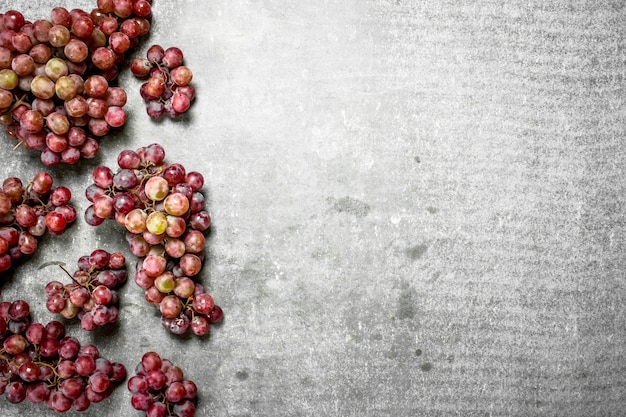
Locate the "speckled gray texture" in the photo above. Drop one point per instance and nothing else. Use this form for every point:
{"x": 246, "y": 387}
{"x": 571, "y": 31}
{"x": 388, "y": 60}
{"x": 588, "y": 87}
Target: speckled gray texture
{"x": 418, "y": 207}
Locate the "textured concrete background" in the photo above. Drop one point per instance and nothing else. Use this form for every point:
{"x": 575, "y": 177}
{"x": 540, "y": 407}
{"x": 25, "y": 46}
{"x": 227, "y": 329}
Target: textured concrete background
{"x": 418, "y": 207}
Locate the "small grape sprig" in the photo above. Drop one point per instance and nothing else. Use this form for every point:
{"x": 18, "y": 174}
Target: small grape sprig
{"x": 29, "y": 212}
{"x": 163, "y": 212}
{"x": 168, "y": 89}
{"x": 39, "y": 363}
{"x": 93, "y": 294}
{"x": 160, "y": 388}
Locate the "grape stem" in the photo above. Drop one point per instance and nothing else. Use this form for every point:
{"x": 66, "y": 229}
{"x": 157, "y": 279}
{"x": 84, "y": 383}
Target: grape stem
{"x": 20, "y": 143}
{"x": 161, "y": 398}
{"x": 53, "y": 381}
{"x": 14, "y": 105}
{"x": 70, "y": 275}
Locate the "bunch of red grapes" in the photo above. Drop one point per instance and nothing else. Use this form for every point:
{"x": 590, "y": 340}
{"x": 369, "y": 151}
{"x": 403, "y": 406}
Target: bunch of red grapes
{"x": 59, "y": 98}
{"x": 29, "y": 212}
{"x": 160, "y": 389}
{"x": 163, "y": 211}
{"x": 39, "y": 363}
{"x": 168, "y": 89}
{"x": 93, "y": 294}
{"x": 56, "y": 92}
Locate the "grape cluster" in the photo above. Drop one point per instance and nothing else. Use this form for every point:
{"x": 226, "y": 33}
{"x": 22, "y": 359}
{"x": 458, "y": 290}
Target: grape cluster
{"x": 39, "y": 363}
{"x": 56, "y": 91}
{"x": 168, "y": 89}
{"x": 93, "y": 295}
{"x": 160, "y": 389}
{"x": 29, "y": 212}
{"x": 163, "y": 212}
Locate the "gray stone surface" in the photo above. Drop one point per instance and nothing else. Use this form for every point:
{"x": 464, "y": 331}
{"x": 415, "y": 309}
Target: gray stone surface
{"x": 418, "y": 207}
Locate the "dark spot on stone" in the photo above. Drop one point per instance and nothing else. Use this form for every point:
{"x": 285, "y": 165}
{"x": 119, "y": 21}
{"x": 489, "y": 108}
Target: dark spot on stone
{"x": 426, "y": 367}
{"x": 406, "y": 305}
{"x": 307, "y": 381}
{"x": 432, "y": 210}
{"x": 416, "y": 252}
{"x": 377, "y": 336}
{"x": 294, "y": 227}
{"x": 418, "y": 352}
{"x": 351, "y": 206}
{"x": 319, "y": 252}
{"x": 417, "y": 159}
{"x": 357, "y": 338}
{"x": 242, "y": 375}
{"x": 391, "y": 354}
{"x": 450, "y": 358}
